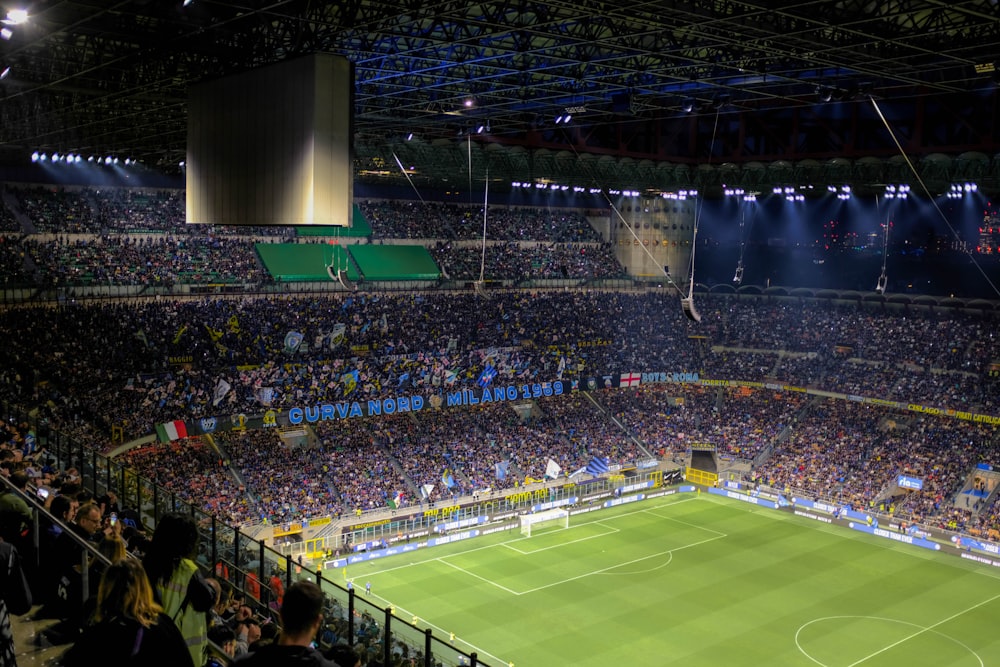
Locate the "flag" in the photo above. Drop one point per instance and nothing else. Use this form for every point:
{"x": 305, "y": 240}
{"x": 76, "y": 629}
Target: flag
{"x": 179, "y": 334}
{"x": 350, "y": 381}
{"x": 598, "y": 465}
{"x": 501, "y": 469}
{"x": 170, "y": 431}
{"x": 264, "y": 395}
{"x": 233, "y": 324}
{"x": 552, "y": 469}
{"x": 486, "y": 376}
{"x": 447, "y": 479}
{"x": 140, "y": 335}
{"x": 337, "y": 334}
{"x": 395, "y": 501}
{"x": 562, "y": 367}
{"x": 292, "y": 341}
{"x": 403, "y": 379}
{"x": 426, "y": 490}
{"x": 450, "y": 377}
{"x": 629, "y": 380}
{"x": 221, "y": 389}
{"x": 213, "y": 334}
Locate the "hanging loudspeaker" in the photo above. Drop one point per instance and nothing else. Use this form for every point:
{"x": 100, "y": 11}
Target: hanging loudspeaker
{"x": 687, "y": 305}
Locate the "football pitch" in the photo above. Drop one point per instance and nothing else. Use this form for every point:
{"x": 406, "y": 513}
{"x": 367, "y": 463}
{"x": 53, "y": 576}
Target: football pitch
{"x": 698, "y": 581}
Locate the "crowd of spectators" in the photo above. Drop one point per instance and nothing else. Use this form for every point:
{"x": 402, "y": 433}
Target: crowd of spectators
{"x": 123, "y": 236}
{"x": 168, "y": 360}
{"x": 136, "y": 364}
{"x": 404, "y": 219}
{"x": 14, "y": 271}
{"x": 545, "y": 261}
{"x": 195, "y": 472}
{"x": 144, "y": 260}
{"x": 116, "y": 210}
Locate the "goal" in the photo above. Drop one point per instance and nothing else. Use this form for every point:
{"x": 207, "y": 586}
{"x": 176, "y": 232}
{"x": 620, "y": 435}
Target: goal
{"x": 544, "y": 519}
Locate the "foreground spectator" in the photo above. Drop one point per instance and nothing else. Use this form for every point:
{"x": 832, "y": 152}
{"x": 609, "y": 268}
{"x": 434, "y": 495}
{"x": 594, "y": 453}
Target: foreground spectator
{"x": 170, "y": 568}
{"x": 301, "y": 615}
{"x": 129, "y": 627}
{"x": 15, "y": 598}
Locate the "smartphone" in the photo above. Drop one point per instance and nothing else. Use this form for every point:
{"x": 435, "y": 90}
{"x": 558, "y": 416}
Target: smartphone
{"x": 113, "y": 519}
{"x": 43, "y": 493}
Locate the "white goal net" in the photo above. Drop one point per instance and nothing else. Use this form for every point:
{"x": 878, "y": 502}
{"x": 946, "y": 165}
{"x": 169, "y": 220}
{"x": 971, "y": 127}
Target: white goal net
{"x": 545, "y": 519}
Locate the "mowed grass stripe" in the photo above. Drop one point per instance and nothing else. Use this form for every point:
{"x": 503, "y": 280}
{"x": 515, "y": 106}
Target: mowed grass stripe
{"x": 752, "y": 582}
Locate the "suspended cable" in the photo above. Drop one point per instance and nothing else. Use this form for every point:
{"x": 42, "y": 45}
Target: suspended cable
{"x": 482, "y": 260}
{"x": 408, "y": 179}
{"x": 927, "y": 191}
{"x": 744, "y": 235}
{"x": 883, "y": 279}
{"x": 469, "y": 144}
{"x": 622, "y": 220}
{"x": 687, "y": 303}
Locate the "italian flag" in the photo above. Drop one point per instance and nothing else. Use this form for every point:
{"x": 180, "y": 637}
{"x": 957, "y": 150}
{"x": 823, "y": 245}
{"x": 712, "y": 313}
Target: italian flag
{"x": 174, "y": 430}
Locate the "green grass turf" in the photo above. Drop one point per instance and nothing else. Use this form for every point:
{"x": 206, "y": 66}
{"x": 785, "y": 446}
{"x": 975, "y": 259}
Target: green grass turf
{"x": 697, "y": 581}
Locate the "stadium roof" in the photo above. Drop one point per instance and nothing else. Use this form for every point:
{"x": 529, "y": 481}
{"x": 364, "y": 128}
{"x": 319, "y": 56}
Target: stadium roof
{"x": 661, "y": 94}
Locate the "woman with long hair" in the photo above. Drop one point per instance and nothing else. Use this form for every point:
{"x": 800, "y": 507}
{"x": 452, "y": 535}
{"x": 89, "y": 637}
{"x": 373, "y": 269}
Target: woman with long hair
{"x": 170, "y": 566}
{"x": 128, "y": 627}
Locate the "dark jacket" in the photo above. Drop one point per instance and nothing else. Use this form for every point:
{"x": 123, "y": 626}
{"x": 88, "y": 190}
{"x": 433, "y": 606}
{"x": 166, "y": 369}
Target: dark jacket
{"x": 121, "y": 642}
{"x": 275, "y": 655}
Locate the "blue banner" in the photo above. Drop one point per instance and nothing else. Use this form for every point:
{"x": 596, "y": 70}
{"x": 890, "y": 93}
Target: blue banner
{"x": 913, "y": 483}
{"x": 963, "y": 542}
{"x": 735, "y": 495}
{"x": 896, "y": 537}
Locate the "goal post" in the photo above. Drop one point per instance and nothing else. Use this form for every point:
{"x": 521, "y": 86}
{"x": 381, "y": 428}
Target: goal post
{"x": 558, "y": 517}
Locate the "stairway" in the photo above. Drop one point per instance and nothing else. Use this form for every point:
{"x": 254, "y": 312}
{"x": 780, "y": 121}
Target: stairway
{"x": 28, "y": 653}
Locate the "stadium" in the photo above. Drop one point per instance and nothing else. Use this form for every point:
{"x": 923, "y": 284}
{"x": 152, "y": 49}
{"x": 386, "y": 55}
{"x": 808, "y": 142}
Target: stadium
{"x": 573, "y": 334}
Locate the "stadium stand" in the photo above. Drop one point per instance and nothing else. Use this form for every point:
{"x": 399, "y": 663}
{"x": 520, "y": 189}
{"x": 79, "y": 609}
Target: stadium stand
{"x": 640, "y": 384}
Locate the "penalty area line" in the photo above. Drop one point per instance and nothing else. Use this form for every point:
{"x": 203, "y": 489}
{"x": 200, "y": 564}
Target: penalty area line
{"x": 617, "y": 565}
{"x": 473, "y": 574}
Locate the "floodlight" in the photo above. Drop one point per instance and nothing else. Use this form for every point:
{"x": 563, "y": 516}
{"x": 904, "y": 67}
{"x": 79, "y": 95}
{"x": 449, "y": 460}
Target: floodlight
{"x": 16, "y": 17}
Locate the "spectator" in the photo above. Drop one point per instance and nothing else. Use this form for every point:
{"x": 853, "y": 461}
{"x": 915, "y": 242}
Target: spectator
{"x": 277, "y": 587}
{"x": 170, "y": 566}
{"x": 65, "y": 598}
{"x": 15, "y": 598}
{"x": 15, "y": 514}
{"x": 129, "y": 626}
{"x": 301, "y": 616}
{"x": 343, "y": 655}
